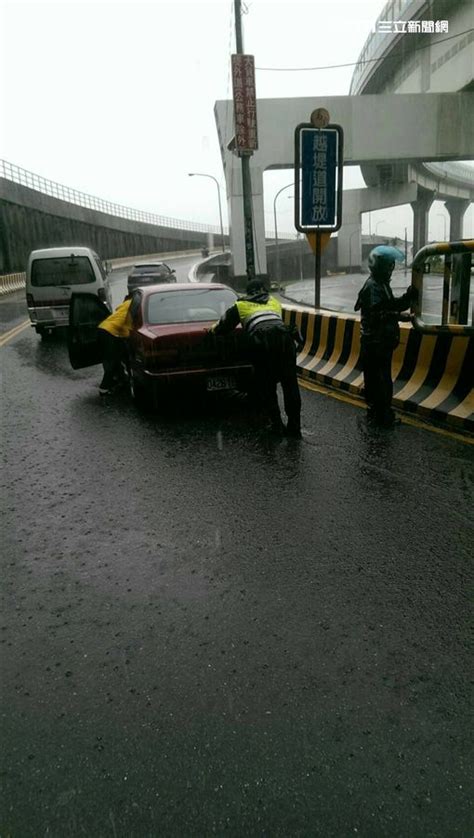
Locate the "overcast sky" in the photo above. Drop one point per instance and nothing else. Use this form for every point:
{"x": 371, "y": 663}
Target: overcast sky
{"x": 116, "y": 98}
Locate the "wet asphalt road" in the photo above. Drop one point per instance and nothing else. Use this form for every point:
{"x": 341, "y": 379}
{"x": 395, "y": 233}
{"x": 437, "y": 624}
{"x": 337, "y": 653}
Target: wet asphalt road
{"x": 207, "y": 631}
{"x": 339, "y": 293}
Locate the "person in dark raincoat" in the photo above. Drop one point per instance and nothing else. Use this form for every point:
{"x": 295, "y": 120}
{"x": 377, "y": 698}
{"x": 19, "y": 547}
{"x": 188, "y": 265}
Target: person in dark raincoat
{"x": 273, "y": 353}
{"x": 380, "y": 332}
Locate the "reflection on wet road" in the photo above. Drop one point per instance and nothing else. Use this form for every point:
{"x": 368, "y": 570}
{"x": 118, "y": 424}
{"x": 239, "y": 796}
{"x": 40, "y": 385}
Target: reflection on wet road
{"x": 208, "y": 630}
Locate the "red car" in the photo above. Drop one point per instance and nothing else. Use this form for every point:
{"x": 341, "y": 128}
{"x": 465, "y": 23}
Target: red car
{"x": 169, "y": 342}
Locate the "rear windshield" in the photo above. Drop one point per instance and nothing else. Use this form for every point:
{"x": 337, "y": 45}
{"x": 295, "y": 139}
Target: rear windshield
{"x": 65, "y": 270}
{"x": 188, "y": 306}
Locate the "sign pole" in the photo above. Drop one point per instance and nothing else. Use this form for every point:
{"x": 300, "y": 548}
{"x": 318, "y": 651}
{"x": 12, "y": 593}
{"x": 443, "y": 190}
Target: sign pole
{"x": 246, "y": 178}
{"x": 318, "y": 184}
{"x": 406, "y": 251}
{"x": 317, "y": 271}
{"x": 248, "y": 219}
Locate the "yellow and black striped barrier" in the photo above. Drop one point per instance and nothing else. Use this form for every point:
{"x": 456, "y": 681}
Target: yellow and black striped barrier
{"x": 433, "y": 373}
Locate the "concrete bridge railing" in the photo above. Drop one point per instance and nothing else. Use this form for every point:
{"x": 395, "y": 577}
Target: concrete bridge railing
{"x": 12, "y": 282}
{"x": 16, "y": 174}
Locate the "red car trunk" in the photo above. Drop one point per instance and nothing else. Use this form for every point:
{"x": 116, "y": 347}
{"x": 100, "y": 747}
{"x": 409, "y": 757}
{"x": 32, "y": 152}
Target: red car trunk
{"x": 190, "y": 346}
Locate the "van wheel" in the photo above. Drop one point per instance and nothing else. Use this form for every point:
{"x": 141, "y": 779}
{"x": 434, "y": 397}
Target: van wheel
{"x": 138, "y": 392}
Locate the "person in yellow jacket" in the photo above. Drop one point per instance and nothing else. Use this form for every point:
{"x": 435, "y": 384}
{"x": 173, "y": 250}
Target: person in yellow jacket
{"x": 112, "y": 333}
{"x": 273, "y": 353}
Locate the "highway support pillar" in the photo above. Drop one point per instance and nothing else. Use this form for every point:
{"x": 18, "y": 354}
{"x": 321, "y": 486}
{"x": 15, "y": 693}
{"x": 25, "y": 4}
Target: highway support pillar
{"x": 421, "y": 209}
{"x": 456, "y": 208}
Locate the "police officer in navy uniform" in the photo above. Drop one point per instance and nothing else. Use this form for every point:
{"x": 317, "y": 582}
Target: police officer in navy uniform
{"x": 273, "y": 353}
{"x": 380, "y": 332}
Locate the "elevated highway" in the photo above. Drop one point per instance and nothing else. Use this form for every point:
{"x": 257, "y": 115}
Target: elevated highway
{"x": 410, "y": 104}
{"x": 393, "y": 60}
{"x": 36, "y": 212}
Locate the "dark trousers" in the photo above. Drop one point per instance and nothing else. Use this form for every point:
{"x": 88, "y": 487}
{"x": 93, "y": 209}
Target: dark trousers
{"x": 113, "y": 353}
{"x": 274, "y": 358}
{"x": 378, "y": 385}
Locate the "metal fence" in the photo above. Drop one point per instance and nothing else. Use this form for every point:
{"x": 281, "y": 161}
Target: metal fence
{"x": 57, "y": 190}
{"x": 12, "y": 282}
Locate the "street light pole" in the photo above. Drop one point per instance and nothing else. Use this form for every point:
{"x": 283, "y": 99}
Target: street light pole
{"x": 377, "y": 225}
{"x": 246, "y": 177}
{"x": 277, "y": 247}
{"x": 200, "y": 174}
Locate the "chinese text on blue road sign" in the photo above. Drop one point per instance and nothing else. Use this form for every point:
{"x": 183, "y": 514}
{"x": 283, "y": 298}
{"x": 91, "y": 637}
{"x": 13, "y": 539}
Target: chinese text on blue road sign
{"x": 320, "y": 163}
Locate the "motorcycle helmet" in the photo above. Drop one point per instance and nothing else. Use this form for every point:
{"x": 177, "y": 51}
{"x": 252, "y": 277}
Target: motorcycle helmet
{"x": 382, "y": 260}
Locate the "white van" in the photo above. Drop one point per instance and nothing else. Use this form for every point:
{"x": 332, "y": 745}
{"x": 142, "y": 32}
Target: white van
{"x": 53, "y": 274}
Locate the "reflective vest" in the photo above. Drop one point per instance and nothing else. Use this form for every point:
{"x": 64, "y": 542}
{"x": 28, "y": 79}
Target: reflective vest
{"x": 253, "y": 315}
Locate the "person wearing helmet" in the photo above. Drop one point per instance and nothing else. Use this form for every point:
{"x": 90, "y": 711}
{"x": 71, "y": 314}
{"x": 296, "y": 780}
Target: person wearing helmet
{"x": 380, "y": 333}
{"x": 273, "y": 353}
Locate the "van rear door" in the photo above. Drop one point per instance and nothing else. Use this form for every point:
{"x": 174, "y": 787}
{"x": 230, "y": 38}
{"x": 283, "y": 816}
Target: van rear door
{"x": 53, "y": 280}
{"x": 86, "y": 311}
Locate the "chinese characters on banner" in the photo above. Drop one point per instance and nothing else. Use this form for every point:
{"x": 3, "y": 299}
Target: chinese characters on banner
{"x": 245, "y": 103}
{"x": 319, "y": 153}
{"x": 412, "y": 27}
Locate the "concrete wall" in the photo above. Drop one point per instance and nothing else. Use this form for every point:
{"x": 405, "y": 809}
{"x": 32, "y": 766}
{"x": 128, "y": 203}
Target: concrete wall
{"x": 31, "y": 220}
{"x": 296, "y": 261}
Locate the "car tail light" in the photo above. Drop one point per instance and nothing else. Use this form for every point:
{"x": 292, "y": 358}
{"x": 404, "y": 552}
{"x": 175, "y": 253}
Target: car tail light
{"x": 30, "y": 300}
{"x": 101, "y": 295}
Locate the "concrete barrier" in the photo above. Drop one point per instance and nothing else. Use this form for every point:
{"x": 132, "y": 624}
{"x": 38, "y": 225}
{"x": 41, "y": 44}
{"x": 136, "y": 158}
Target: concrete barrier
{"x": 129, "y": 261}
{"x": 433, "y": 374}
{"x": 12, "y": 282}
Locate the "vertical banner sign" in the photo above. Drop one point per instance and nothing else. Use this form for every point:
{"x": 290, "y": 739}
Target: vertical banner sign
{"x": 245, "y": 103}
{"x": 318, "y": 183}
{"x": 318, "y": 158}
{"x": 318, "y": 178}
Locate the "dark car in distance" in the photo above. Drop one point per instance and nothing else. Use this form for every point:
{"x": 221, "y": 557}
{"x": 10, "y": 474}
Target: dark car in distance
{"x": 170, "y": 344}
{"x": 150, "y": 273}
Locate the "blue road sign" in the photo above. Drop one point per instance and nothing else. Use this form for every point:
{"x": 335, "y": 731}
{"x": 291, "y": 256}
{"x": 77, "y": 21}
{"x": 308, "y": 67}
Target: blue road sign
{"x": 318, "y": 177}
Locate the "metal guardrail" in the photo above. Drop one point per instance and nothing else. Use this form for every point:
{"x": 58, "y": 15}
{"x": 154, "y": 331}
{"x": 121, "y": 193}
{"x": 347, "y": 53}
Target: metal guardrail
{"x": 418, "y": 273}
{"x": 12, "y": 282}
{"x": 10, "y": 171}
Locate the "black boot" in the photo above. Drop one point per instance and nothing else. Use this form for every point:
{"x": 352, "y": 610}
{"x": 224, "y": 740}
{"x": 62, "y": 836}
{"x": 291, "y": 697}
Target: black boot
{"x": 293, "y": 429}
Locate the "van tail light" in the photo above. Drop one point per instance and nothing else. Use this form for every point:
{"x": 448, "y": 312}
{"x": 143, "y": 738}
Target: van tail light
{"x": 101, "y": 295}
{"x": 30, "y": 301}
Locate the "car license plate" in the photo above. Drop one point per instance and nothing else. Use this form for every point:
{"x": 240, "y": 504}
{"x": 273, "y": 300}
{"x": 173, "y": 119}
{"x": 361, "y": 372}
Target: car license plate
{"x": 221, "y": 382}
